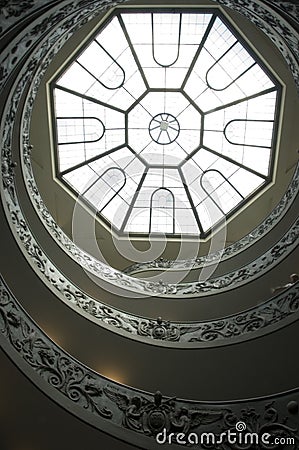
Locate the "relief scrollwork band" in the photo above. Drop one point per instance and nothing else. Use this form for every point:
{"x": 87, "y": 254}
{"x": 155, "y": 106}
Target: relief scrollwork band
{"x": 107, "y": 273}
{"x": 51, "y": 274}
{"x": 131, "y": 409}
{"x": 73, "y": 380}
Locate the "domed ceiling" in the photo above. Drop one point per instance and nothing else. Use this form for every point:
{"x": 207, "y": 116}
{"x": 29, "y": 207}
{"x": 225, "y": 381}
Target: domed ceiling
{"x": 165, "y": 121}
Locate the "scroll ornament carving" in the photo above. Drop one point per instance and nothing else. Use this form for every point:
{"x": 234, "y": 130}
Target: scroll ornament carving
{"x": 159, "y": 329}
{"x": 58, "y": 369}
{"x": 150, "y": 417}
{"x": 74, "y": 295}
{"x": 122, "y": 280}
{"x": 134, "y": 410}
{"x": 15, "y": 8}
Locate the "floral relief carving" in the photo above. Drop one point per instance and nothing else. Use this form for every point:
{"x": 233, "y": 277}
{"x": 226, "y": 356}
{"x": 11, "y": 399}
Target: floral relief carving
{"x": 73, "y": 380}
{"x": 61, "y": 284}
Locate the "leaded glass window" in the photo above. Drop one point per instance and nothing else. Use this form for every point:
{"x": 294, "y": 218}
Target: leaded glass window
{"x": 166, "y": 121}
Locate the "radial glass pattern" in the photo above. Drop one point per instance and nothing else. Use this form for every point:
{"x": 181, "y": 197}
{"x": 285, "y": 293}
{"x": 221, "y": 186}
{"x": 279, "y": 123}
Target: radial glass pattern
{"x": 166, "y": 121}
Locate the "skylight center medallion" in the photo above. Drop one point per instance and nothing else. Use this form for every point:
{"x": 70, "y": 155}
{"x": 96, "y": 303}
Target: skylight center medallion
{"x": 164, "y": 128}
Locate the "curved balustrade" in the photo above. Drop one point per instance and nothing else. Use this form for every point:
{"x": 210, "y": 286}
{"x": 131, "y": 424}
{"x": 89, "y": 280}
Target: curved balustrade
{"x": 127, "y": 413}
{"x": 134, "y": 415}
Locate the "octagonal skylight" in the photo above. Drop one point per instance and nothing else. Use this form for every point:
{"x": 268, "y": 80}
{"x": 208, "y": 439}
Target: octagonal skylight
{"x": 165, "y": 122}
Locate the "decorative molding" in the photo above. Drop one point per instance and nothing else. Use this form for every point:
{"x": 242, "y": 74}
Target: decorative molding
{"x": 58, "y": 369}
{"x": 38, "y": 259}
{"x": 14, "y": 8}
{"x": 129, "y": 409}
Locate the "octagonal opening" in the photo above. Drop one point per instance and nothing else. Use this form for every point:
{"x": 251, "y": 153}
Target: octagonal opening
{"x": 165, "y": 121}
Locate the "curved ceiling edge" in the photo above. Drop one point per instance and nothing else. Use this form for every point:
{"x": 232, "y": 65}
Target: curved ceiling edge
{"x": 225, "y": 282}
{"x": 92, "y": 265}
{"x": 8, "y": 185}
{"x": 123, "y": 411}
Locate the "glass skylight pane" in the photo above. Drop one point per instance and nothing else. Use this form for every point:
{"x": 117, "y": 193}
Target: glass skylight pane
{"x": 208, "y": 213}
{"x": 139, "y": 220}
{"x": 194, "y": 27}
{"x": 76, "y": 78}
{"x": 126, "y": 148}
{"x": 191, "y": 171}
{"x": 112, "y": 38}
{"x": 185, "y": 222}
{"x": 166, "y": 38}
{"x": 245, "y": 181}
{"x": 220, "y": 39}
{"x": 116, "y": 211}
{"x": 81, "y": 178}
{"x": 139, "y": 27}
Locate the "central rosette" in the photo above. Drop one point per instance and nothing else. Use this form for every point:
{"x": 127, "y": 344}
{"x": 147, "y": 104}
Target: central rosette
{"x": 166, "y": 137}
{"x": 164, "y": 128}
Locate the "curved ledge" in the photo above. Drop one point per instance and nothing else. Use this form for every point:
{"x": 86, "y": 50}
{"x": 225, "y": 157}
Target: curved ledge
{"x": 225, "y": 282}
{"x": 47, "y": 270}
{"x": 127, "y": 413}
{"x": 121, "y": 279}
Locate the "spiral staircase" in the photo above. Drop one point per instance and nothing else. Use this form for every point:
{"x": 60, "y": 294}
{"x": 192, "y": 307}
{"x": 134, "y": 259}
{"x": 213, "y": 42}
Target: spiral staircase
{"x": 101, "y": 351}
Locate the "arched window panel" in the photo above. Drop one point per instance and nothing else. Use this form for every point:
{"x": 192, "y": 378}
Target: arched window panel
{"x": 250, "y": 133}
{"x": 124, "y": 95}
{"x": 151, "y": 52}
{"x": 109, "y": 73}
{"x": 131, "y": 167}
{"x": 106, "y": 81}
{"x": 162, "y": 211}
{"x": 252, "y": 82}
{"x": 108, "y": 184}
{"x": 232, "y": 83}
{"x": 81, "y": 110}
{"x": 220, "y": 190}
{"x": 227, "y": 69}
{"x": 166, "y": 38}
{"x": 249, "y": 123}
{"x": 196, "y": 86}
{"x": 79, "y": 130}
{"x": 208, "y": 213}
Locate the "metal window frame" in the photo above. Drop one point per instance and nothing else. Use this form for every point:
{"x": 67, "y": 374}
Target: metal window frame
{"x": 216, "y": 13}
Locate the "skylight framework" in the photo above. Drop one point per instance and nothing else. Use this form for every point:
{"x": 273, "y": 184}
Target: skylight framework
{"x": 165, "y": 122}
